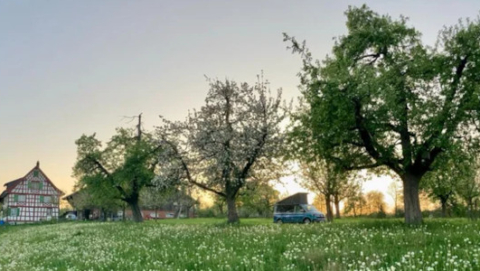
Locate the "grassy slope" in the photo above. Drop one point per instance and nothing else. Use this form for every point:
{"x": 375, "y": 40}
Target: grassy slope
{"x": 256, "y": 244}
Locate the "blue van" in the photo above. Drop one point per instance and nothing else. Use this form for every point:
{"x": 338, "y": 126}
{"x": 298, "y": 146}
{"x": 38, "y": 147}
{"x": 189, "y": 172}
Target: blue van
{"x": 297, "y": 213}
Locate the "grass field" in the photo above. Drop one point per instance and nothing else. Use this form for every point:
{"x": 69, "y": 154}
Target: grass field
{"x": 255, "y": 244}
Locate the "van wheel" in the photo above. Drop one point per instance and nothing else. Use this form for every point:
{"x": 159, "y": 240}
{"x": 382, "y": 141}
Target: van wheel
{"x": 306, "y": 221}
{"x": 279, "y": 221}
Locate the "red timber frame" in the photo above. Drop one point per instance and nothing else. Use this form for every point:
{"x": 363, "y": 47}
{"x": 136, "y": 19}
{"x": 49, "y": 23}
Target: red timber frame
{"x": 35, "y": 207}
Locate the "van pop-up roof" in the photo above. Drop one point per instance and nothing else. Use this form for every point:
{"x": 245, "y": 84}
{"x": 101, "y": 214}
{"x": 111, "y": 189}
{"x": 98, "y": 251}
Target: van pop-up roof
{"x": 299, "y": 198}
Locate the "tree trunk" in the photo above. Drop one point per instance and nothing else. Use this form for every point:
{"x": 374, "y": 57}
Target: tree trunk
{"x": 395, "y": 212}
{"x": 137, "y": 213}
{"x": 220, "y": 209}
{"x": 475, "y": 208}
{"x": 337, "y": 206}
{"x": 413, "y": 214}
{"x": 179, "y": 211}
{"x": 103, "y": 215}
{"x": 232, "y": 211}
{"x": 329, "y": 208}
{"x": 443, "y": 201}
{"x": 470, "y": 208}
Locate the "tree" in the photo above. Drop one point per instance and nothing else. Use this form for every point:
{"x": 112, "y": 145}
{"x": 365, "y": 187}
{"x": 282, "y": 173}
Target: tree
{"x": 319, "y": 203}
{"x": 219, "y": 204}
{"x": 469, "y": 187}
{"x": 259, "y": 199}
{"x": 346, "y": 186}
{"x": 221, "y": 146}
{"x": 121, "y": 169}
{"x": 375, "y": 202}
{"x": 355, "y": 203}
{"x": 385, "y": 100}
{"x": 395, "y": 192}
{"x": 450, "y": 170}
{"x": 320, "y": 177}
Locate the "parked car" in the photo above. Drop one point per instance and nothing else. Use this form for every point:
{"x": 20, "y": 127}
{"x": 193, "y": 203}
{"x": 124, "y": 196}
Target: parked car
{"x": 71, "y": 216}
{"x": 297, "y": 213}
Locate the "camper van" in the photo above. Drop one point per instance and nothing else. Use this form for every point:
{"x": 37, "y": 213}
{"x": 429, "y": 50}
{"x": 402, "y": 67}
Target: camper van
{"x": 295, "y": 209}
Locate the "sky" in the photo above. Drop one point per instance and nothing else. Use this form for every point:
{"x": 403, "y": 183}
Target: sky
{"x": 69, "y": 68}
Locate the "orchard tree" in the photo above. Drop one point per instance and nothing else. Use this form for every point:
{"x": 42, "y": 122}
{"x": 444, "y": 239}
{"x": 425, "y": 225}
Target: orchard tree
{"x": 469, "y": 187}
{"x": 384, "y": 99}
{"x": 259, "y": 199}
{"x": 346, "y": 186}
{"x": 320, "y": 177}
{"x": 121, "y": 169}
{"x": 234, "y": 135}
{"x": 451, "y": 170}
{"x": 319, "y": 203}
{"x": 355, "y": 204}
{"x": 395, "y": 192}
{"x": 375, "y": 201}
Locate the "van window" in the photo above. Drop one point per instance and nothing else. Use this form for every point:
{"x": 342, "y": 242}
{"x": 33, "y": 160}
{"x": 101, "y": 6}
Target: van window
{"x": 310, "y": 208}
{"x": 285, "y": 208}
{"x": 299, "y": 209}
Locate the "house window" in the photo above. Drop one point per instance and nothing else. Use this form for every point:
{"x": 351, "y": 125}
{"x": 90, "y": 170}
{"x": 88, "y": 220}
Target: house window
{"x": 19, "y": 198}
{"x": 49, "y": 212}
{"x": 14, "y": 212}
{"x": 35, "y": 185}
{"x": 45, "y": 199}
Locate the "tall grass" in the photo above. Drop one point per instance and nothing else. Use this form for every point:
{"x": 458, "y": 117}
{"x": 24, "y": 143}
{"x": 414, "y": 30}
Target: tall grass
{"x": 255, "y": 244}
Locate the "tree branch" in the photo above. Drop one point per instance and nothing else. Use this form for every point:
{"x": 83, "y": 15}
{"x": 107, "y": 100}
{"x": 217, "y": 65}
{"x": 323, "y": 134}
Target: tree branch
{"x": 443, "y": 116}
{"x": 358, "y": 167}
{"x": 99, "y": 166}
{"x": 254, "y": 156}
{"x": 368, "y": 142}
{"x": 187, "y": 171}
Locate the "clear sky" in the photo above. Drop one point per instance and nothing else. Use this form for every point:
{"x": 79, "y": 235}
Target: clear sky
{"x": 73, "y": 67}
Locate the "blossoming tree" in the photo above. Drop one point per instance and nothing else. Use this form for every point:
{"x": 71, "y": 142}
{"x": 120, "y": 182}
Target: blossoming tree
{"x": 219, "y": 147}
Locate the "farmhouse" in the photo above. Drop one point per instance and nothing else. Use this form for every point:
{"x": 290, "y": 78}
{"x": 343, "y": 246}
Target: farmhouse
{"x": 175, "y": 204}
{"x": 32, "y": 198}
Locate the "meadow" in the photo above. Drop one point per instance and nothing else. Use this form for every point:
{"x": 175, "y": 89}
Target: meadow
{"x": 255, "y": 244}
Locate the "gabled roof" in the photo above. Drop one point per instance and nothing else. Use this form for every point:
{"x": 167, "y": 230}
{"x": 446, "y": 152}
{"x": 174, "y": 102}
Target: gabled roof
{"x": 9, "y": 186}
{"x": 4, "y": 194}
{"x": 70, "y": 196}
{"x": 12, "y": 184}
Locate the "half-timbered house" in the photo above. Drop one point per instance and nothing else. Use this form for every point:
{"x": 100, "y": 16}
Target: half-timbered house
{"x": 32, "y": 198}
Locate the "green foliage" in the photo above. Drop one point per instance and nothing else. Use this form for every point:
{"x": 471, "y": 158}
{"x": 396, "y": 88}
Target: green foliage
{"x": 207, "y": 212}
{"x": 119, "y": 171}
{"x": 384, "y": 100}
{"x": 451, "y": 170}
{"x": 258, "y": 200}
